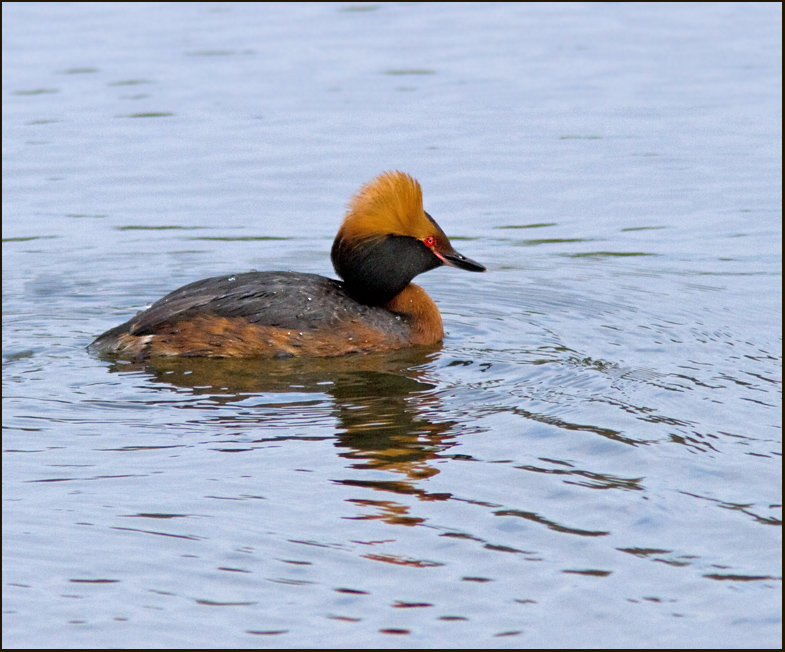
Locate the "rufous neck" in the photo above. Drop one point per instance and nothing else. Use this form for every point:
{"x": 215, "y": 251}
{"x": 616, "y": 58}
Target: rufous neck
{"x": 420, "y": 312}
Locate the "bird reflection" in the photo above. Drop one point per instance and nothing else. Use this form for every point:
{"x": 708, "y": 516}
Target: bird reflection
{"x": 382, "y": 403}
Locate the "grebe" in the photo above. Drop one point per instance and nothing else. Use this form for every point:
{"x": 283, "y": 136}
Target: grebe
{"x": 385, "y": 241}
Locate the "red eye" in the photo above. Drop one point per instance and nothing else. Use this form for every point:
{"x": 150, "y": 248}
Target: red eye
{"x": 429, "y": 242}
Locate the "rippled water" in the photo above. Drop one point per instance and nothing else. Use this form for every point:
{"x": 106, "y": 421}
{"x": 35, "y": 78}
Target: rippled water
{"x": 592, "y": 458}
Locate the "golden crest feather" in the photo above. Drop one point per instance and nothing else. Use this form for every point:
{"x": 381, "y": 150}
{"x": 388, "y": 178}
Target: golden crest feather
{"x": 390, "y": 204}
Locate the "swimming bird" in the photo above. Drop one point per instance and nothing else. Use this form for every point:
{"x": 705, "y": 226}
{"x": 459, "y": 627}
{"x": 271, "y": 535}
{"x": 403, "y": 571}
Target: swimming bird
{"x": 385, "y": 240}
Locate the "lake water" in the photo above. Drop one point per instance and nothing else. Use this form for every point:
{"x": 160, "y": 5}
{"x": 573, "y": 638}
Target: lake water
{"x": 593, "y": 456}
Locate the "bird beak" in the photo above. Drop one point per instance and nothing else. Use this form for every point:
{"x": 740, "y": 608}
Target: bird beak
{"x": 454, "y": 259}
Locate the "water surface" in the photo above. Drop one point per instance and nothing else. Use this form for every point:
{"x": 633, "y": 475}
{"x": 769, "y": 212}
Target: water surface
{"x": 591, "y": 458}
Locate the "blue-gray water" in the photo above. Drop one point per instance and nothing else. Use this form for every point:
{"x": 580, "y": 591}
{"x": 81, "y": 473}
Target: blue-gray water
{"x": 591, "y": 459}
